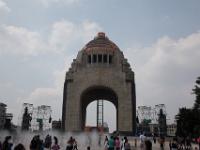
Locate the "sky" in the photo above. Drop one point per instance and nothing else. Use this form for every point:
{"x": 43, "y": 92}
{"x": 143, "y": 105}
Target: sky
{"x": 40, "y": 38}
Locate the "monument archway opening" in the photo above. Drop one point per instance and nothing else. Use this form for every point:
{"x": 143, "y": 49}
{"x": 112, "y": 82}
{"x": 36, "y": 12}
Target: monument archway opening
{"x": 103, "y": 94}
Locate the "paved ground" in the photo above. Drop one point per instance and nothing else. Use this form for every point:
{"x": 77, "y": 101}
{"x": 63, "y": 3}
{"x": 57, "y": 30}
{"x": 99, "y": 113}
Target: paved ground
{"x": 132, "y": 142}
{"x": 154, "y": 146}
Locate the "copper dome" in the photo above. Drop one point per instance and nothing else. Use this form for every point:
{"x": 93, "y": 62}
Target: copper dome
{"x": 100, "y": 42}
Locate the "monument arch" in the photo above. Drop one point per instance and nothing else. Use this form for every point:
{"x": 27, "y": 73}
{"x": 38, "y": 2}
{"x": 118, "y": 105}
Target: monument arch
{"x": 97, "y": 93}
{"x": 100, "y": 71}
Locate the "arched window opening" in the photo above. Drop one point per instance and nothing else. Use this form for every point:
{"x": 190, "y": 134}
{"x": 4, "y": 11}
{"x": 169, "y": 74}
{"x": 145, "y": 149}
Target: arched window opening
{"x": 89, "y": 59}
{"x": 110, "y": 59}
{"x": 105, "y": 59}
{"x": 94, "y": 58}
{"x": 99, "y": 58}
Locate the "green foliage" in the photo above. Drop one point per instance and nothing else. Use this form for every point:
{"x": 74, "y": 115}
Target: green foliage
{"x": 196, "y": 91}
{"x": 188, "y": 120}
{"x": 185, "y": 122}
{"x": 146, "y": 121}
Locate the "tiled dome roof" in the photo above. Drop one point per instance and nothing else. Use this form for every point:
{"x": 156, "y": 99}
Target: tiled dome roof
{"x": 100, "y": 42}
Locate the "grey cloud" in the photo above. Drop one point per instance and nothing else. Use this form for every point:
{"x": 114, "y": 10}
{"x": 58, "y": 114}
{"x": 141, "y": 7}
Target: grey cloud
{"x": 48, "y": 3}
{"x": 166, "y": 72}
{"x": 62, "y": 36}
{"x": 20, "y": 41}
{"x": 23, "y": 43}
{"x": 3, "y": 7}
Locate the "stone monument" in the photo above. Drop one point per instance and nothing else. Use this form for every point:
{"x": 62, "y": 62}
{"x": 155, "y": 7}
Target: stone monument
{"x": 100, "y": 71}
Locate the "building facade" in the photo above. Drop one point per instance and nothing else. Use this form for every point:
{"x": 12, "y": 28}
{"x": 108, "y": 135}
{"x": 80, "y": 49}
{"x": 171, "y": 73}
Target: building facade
{"x": 171, "y": 129}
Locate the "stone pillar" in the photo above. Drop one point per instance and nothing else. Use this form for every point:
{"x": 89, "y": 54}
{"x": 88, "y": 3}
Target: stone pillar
{"x": 73, "y": 113}
{"x": 124, "y": 115}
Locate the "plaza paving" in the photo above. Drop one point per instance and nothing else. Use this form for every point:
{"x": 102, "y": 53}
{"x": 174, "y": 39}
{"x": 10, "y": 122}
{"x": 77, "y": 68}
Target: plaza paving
{"x": 154, "y": 146}
{"x": 132, "y": 142}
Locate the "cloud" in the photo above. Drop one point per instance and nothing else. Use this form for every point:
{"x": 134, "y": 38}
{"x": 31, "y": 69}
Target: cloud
{"x": 67, "y": 34}
{"x": 62, "y": 36}
{"x": 47, "y": 3}
{"x": 23, "y": 43}
{"x": 3, "y": 7}
{"x": 20, "y": 41}
{"x": 51, "y": 96}
{"x": 166, "y": 71}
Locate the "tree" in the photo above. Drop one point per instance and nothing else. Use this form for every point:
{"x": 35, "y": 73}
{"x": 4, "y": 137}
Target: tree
{"x": 185, "y": 123}
{"x": 196, "y": 107}
{"x": 162, "y": 123}
{"x": 196, "y": 91}
{"x": 188, "y": 120}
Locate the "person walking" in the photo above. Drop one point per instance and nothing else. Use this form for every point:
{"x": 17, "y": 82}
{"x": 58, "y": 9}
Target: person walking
{"x": 148, "y": 145}
{"x": 188, "y": 144}
{"x": 70, "y": 143}
{"x": 174, "y": 144}
{"x": 122, "y": 144}
{"x": 19, "y": 147}
{"x": 75, "y": 146}
{"x": 162, "y": 142}
{"x": 55, "y": 145}
{"x": 142, "y": 141}
{"x": 0, "y": 146}
{"x": 47, "y": 142}
{"x": 127, "y": 145}
{"x": 36, "y": 143}
{"x": 111, "y": 143}
{"x": 117, "y": 143}
{"x": 7, "y": 144}
{"x": 170, "y": 145}
{"x": 154, "y": 138}
{"x": 198, "y": 141}
{"x": 33, "y": 144}
{"x": 135, "y": 142}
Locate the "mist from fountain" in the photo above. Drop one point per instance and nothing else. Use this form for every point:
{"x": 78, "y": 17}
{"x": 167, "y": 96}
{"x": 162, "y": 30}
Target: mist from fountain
{"x": 84, "y": 139}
